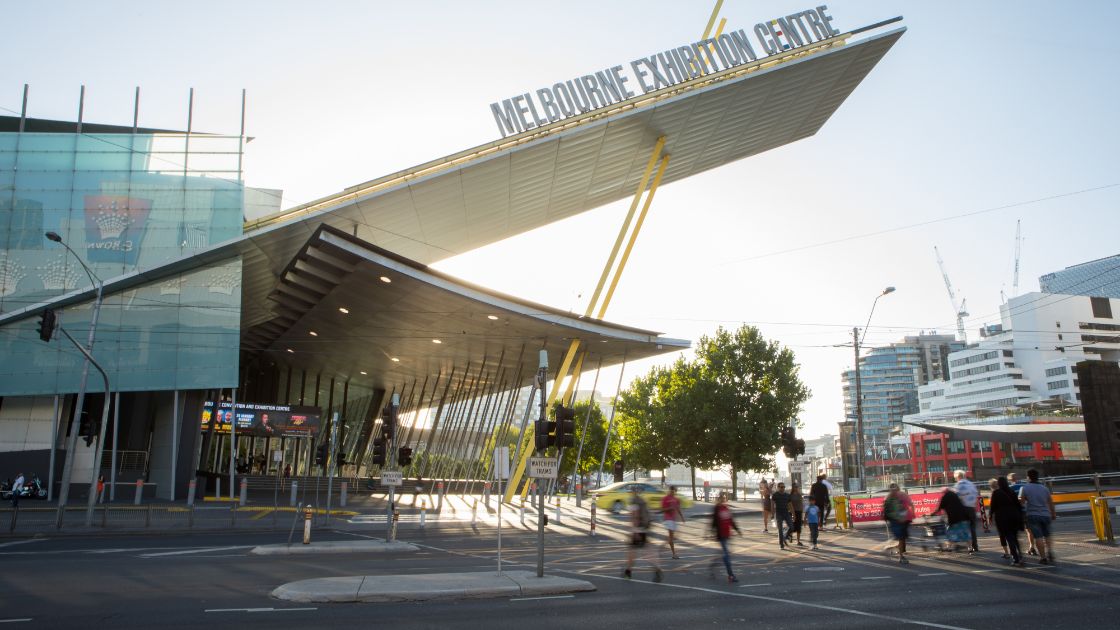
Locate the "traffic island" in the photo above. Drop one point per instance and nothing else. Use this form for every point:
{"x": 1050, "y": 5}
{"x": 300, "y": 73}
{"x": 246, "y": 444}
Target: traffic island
{"x": 432, "y": 586}
{"x": 334, "y": 546}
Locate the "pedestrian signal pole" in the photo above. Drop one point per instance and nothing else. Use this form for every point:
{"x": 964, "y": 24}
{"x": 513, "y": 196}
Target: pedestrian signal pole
{"x": 542, "y": 378}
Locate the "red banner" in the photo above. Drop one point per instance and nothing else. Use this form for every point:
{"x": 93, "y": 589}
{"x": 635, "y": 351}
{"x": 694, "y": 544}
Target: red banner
{"x": 868, "y": 510}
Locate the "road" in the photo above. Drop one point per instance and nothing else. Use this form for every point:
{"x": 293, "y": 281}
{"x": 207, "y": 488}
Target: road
{"x": 193, "y": 580}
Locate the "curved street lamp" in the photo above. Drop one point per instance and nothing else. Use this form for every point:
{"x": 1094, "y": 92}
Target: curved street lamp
{"x": 72, "y": 440}
{"x": 858, "y": 339}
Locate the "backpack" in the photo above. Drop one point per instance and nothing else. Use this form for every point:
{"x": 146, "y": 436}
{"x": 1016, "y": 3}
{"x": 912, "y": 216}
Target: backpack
{"x": 643, "y": 514}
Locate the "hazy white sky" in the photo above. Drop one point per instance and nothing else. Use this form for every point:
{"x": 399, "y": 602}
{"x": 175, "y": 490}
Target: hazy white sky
{"x": 997, "y": 111}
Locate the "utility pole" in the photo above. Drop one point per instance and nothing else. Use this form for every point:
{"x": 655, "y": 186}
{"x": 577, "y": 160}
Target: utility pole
{"x": 859, "y": 411}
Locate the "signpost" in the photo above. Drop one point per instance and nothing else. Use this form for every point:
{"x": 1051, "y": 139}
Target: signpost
{"x": 543, "y": 467}
{"x": 392, "y": 478}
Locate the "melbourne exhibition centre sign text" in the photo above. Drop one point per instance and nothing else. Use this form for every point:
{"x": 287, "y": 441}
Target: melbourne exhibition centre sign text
{"x": 660, "y": 70}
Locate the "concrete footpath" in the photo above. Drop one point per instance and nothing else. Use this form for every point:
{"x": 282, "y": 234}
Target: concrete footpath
{"x": 416, "y": 588}
{"x": 334, "y": 546}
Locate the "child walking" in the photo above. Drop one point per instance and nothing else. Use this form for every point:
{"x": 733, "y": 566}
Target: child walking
{"x": 813, "y": 518}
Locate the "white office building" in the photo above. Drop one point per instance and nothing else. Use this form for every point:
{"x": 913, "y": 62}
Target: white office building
{"x": 1031, "y": 359}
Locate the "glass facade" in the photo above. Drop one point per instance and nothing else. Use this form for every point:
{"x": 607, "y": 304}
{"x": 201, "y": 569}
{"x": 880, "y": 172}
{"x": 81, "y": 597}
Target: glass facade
{"x": 123, "y": 202}
{"x": 1100, "y": 278}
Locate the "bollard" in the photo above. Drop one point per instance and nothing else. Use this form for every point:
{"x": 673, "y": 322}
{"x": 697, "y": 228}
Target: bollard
{"x": 190, "y": 492}
{"x": 244, "y": 490}
{"x": 307, "y": 525}
{"x": 342, "y": 495}
{"x": 439, "y": 497}
{"x": 486, "y": 494}
{"x": 593, "y": 510}
{"x": 557, "y": 510}
{"x": 423, "y": 513}
{"x": 139, "y": 491}
{"x": 707, "y": 491}
{"x": 474, "y": 512}
{"x": 579, "y": 494}
{"x": 15, "y": 514}
{"x": 292, "y": 502}
{"x": 522, "y": 512}
{"x": 393, "y": 527}
{"x": 218, "y": 488}
{"x": 104, "y": 516}
{"x": 148, "y": 516}
{"x": 190, "y": 517}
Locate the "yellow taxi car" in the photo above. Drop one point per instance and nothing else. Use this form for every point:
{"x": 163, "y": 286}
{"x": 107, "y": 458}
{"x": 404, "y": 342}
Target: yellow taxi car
{"x": 616, "y": 497}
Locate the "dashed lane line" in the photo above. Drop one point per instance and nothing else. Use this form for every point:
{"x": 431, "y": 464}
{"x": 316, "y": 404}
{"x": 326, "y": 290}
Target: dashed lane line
{"x": 15, "y": 620}
{"x": 255, "y": 610}
{"x": 532, "y": 599}
{"x": 813, "y": 581}
{"x": 753, "y": 585}
{"x": 22, "y": 542}
{"x": 190, "y": 551}
{"x": 877, "y": 577}
{"x": 932, "y": 574}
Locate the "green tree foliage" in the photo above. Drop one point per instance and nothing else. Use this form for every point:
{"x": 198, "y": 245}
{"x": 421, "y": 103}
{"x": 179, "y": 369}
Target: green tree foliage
{"x": 592, "y": 445}
{"x": 725, "y": 407}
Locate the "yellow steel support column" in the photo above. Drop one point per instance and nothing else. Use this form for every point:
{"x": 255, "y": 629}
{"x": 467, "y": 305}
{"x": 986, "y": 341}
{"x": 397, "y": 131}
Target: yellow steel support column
{"x": 527, "y": 439}
{"x": 712, "y": 19}
{"x": 634, "y": 236}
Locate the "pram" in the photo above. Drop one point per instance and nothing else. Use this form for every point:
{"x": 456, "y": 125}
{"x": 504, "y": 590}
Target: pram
{"x": 940, "y": 536}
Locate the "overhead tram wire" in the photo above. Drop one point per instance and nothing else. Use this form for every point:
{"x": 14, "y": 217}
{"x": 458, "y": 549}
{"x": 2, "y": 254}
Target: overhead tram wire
{"x": 909, "y": 226}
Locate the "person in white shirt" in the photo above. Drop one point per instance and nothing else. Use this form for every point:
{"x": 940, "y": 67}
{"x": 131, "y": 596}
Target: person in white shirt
{"x": 17, "y": 488}
{"x": 968, "y": 494}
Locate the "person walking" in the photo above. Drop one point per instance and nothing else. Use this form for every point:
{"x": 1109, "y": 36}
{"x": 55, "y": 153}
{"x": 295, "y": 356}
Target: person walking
{"x": 967, "y": 493}
{"x": 767, "y": 505}
{"x": 723, "y": 522}
{"x": 639, "y": 535}
{"x": 957, "y": 516}
{"x": 1016, "y": 486}
{"x": 797, "y": 505}
{"x": 989, "y": 514}
{"x": 1039, "y": 505}
{"x": 781, "y": 501}
{"x": 671, "y": 513}
{"x": 1008, "y": 517}
{"x": 820, "y": 493}
{"x": 17, "y": 488}
{"x": 812, "y": 518}
{"x": 898, "y": 511}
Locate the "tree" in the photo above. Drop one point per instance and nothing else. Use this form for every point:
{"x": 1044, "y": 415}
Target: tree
{"x": 592, "y": 443}
{"x": 753, "y": 390}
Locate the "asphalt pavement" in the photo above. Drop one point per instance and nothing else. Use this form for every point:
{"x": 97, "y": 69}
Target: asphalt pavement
{"x": 180, "y": 579}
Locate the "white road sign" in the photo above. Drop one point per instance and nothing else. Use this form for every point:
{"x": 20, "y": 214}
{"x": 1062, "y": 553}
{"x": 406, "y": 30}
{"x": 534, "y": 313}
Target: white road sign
{"x": 542, "y": 467}
{"x": 501, "y": 462}
{"x": 391, "y": 478}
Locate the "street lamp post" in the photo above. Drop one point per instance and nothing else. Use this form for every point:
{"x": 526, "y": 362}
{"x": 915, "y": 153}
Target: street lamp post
{"x": 857, "y": 339}
{"x": 72, "y": 440}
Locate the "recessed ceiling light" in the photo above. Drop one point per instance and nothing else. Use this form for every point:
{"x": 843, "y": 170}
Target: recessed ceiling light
{"x": 363, "y": 373}
{"x": 313, "y": 333}
{"x": 290, "y": 350}
{"x": 386, "y": 279}
{"x": 436, "y": 341}
{"x": 343, "y": 310}
{"x": 396, "y": 360}
{"x": 492, "y": 317}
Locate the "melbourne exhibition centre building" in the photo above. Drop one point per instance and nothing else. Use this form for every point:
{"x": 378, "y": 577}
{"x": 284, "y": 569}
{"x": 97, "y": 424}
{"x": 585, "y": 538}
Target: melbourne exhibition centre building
{"x": 216, "y": 328}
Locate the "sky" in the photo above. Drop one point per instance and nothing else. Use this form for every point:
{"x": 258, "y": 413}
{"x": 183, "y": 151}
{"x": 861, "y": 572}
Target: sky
{"x": 983, "y": 114}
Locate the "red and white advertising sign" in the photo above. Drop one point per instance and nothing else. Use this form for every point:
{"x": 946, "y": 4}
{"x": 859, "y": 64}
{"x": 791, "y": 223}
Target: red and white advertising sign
{"x": 868, "y": 510}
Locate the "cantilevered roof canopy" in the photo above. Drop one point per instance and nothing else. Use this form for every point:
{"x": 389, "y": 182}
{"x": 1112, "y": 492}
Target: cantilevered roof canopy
{"x": 336, "y": 288}
{"x": 1054, "y": 432}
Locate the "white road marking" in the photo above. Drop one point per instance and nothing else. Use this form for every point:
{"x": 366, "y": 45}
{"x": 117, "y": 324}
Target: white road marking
{"x": 22, "y": 542}
{"x": 530, "y": 599}
{"x": 781, "y": 600}
{"x": 877, "y": 577}
{"x": 985, "y": 570}
{"x": 813, "y": 581}
{"x": 750, "y": 585}
{"x": 202, "y": 550}
{"x": 15, "y": 620}
{"x": 931, "y": 574}
{"x": 254, "y": 610}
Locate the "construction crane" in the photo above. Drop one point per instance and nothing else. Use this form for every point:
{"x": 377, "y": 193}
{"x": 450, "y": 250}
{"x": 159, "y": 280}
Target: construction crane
{"x": 960, "y": 309}
{"x": 1018, "y": 242}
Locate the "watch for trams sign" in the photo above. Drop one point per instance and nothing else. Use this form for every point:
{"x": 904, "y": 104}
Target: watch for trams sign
{"x": 659, "y": 70}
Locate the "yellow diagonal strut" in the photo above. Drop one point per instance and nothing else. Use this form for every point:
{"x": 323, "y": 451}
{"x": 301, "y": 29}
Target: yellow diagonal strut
{"x": 573, "y": 348}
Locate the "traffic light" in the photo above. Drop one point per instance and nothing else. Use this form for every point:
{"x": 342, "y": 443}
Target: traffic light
{"x": 378, "y": 452}
{"x": 86, "y": 428}
{"x": 565, "y": 427}
{"x": 388, "y": 422}
{"x": 543, "y": 434}
{"x": 404, "y": 456}
{"x": 322, "y": 454}
{"x": 47, "y": 324}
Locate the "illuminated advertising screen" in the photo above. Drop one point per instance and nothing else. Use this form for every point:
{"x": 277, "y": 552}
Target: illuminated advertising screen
{"x": 255, "y": 420}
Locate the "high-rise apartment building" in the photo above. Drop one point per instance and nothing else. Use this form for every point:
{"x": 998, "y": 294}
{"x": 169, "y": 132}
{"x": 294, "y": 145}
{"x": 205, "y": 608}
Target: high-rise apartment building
{"x": 1100, "y": 278}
